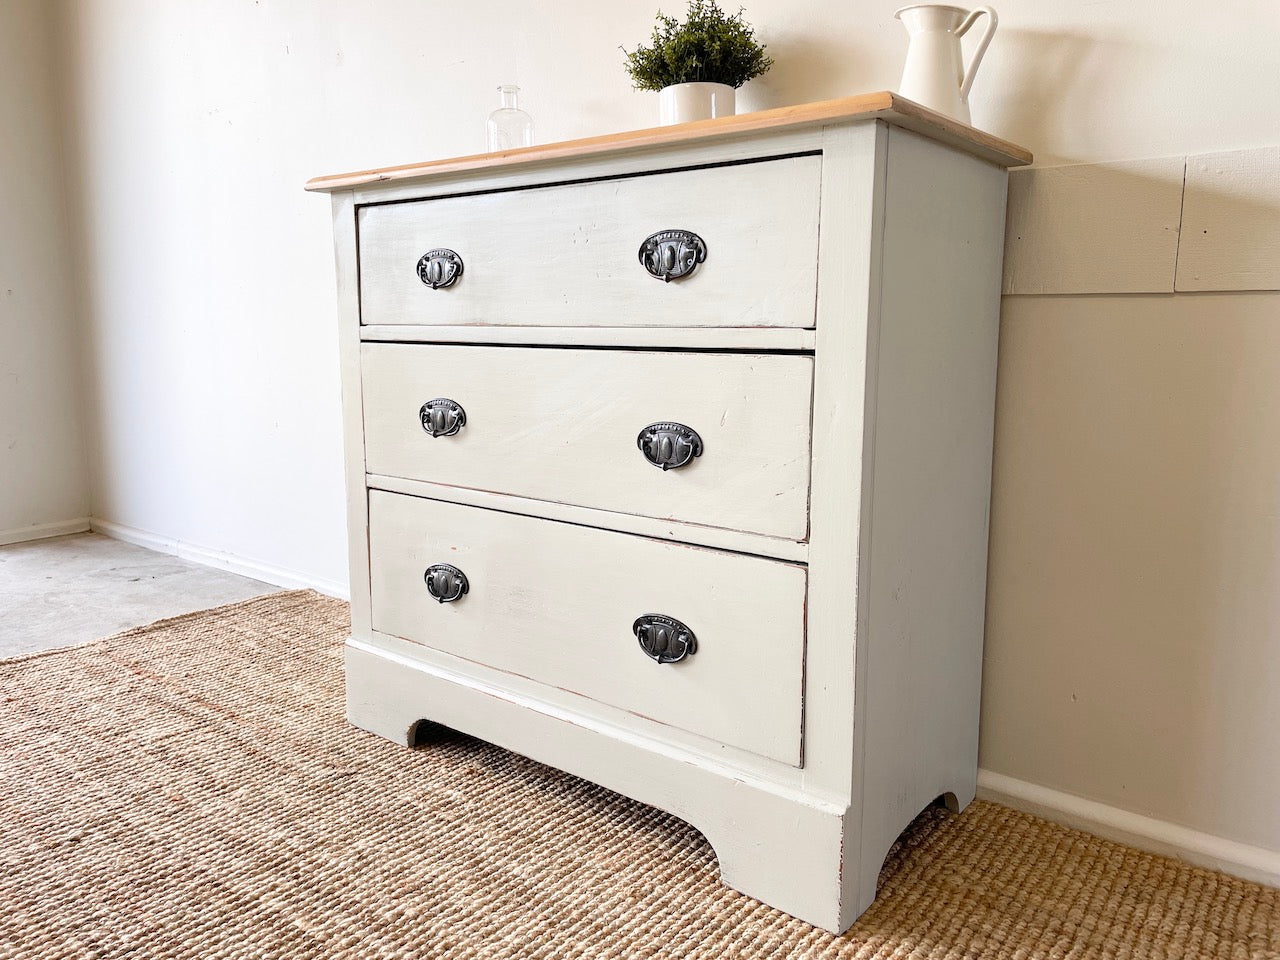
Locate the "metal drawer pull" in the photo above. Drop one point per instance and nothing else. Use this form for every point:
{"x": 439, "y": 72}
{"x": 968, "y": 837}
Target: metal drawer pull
{"x": 669, "y": 445}
{"x": 671, "y": 254}
{"x": 445, "y": 582}
{"x": 439, "y": 268}
{"x": 664, "y": 639}
{"x": 442, "y": 417}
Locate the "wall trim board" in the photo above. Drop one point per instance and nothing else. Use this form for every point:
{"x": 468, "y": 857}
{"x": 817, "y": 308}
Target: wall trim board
{"x": 43, "y": 531}
{"x": 1231, "y": 221}
{"x": 1199, "y": 223}
{"x": 233, "y": 563}
{"x": 1146, "y": 833}
{"x": 1094, "y": 227}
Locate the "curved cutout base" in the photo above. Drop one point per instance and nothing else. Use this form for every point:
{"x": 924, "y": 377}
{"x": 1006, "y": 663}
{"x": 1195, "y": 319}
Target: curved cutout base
{"x": 794, "y": 850}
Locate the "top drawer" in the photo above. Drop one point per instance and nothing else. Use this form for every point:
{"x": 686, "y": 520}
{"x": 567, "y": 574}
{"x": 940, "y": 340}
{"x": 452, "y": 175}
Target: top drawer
{"x": 569, "y": 255}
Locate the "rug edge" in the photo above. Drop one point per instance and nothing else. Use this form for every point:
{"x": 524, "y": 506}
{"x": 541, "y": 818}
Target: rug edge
{"x": 165, "y": 622}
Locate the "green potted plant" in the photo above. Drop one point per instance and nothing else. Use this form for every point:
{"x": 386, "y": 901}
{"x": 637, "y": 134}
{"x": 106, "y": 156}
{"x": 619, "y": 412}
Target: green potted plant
{"x": 697, "y": 65}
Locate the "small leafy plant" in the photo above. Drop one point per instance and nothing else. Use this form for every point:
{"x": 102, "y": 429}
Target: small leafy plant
{"x": 709, "y": 47}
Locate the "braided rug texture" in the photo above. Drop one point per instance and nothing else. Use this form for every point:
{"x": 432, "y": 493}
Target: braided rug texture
{"x": 191, "y": 789}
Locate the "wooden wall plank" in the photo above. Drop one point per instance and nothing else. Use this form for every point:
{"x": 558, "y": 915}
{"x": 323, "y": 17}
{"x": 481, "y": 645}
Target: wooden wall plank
{"x": 1094, "y": 228}
{"x": 1231, "y": 222}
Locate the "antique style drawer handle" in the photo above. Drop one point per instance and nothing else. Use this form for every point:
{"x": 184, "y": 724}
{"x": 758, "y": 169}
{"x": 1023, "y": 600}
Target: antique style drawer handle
{"x": 445, "y": 582}
{"x": 671, "y": 254}
{"x": 669, "y": 445}
{"x": 439, "y": 268}
{"x": 664, "y": 639}
{"x": 442, "y": 417}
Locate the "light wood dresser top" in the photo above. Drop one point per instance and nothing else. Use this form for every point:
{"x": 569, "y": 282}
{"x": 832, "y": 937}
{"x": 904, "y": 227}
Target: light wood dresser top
{"x": 884, "y": 105}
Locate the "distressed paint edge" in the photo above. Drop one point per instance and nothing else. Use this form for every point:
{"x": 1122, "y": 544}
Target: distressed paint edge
{"x": 1255, "y": 864}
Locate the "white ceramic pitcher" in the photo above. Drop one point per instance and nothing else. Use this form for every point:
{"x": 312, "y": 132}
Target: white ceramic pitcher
{"x": 934, "y": 75}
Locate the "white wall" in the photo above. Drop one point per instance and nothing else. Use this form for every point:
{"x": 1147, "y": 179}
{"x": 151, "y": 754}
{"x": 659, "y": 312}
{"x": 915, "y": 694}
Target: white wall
{"x": 211, "y": 320}
{"x": 43, "y": 486}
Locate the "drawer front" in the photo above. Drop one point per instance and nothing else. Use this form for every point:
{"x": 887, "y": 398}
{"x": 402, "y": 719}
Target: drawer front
{"x": 564, "y": 425}
{"x": 556, "y": 603}
{"x": 569, "y": 255}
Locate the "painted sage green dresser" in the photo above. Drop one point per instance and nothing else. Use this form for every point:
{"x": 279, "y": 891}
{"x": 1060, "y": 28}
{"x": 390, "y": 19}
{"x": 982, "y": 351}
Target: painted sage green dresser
{"x": 669, "y": 460}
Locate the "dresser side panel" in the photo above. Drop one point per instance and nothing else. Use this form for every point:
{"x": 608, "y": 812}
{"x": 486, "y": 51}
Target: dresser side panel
{"x": 924, "y": 577}
{"x": 347, "y": 269}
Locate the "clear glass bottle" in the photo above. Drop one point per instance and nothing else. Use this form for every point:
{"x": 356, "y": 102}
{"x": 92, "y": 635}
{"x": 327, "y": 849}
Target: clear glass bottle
{"x": 509, "y": 126}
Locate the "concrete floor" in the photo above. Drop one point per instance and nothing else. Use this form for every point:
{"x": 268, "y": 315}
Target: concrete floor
{"x": 68, "y": 590}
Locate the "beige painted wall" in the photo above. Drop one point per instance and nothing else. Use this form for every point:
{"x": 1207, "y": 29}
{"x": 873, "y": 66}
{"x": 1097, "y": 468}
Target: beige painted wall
{"x": 1132, "y": 655}
{"x": 42, "y": 459}
{"x": 1129, "y": 563}
{"x": 1133, "y": 635}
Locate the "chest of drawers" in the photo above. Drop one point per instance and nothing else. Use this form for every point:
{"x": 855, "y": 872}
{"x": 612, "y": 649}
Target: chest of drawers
{"x": 669, "y": 459}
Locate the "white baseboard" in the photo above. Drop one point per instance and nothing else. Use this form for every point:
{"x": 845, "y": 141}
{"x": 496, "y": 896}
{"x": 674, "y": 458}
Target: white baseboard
{"x": 1146, "y": 833}
{"x": 266, "y": 572}
{"x": 42, "y": 531}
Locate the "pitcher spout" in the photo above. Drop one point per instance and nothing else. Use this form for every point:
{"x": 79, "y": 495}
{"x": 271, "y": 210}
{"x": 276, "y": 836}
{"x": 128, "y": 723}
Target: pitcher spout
{"x": 930, "y": 16}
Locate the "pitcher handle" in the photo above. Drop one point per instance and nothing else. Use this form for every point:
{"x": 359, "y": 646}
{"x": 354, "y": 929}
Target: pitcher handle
{"x": 960, "y": 31}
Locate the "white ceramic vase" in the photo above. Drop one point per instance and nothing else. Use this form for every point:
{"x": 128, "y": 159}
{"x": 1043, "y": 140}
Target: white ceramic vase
{"x": 682, "y": 102}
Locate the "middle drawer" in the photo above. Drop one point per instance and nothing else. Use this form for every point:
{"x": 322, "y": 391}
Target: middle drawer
{"x": 566, "y": 426}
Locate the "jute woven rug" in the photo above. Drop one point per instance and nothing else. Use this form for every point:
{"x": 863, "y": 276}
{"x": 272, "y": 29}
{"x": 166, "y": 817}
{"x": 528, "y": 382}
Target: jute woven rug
{"x": 191, "y": 789}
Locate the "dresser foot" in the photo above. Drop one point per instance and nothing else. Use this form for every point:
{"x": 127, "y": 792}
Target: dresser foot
{"x": 862, "y": 875}
{"x": 791, "y": 862}
{"x": 810, "y": 864}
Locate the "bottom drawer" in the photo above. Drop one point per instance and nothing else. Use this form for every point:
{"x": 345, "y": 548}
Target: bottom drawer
{"x": 556, "y": 603}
